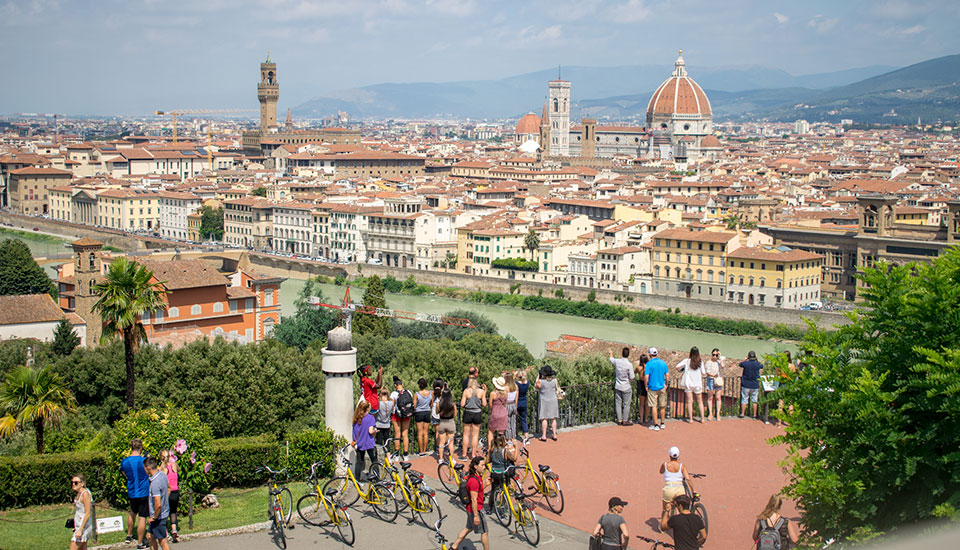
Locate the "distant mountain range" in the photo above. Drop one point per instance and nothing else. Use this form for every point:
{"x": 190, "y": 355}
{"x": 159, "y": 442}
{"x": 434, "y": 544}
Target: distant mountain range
{"x": 928, "y": 89}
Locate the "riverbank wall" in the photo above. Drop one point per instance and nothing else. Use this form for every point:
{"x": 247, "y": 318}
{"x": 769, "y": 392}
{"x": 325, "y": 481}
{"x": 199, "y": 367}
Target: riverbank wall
{"x": 67, "y": 230}
{"x": 292, "y": 268}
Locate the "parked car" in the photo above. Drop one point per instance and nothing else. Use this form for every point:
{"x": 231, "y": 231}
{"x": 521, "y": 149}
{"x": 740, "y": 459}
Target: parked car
{"x": 375, "y": 261}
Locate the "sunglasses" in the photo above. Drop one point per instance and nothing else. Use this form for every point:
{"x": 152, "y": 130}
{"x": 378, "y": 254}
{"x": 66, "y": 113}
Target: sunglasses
{"x": 74, "y": 483}
{"x": 716, "y": 355}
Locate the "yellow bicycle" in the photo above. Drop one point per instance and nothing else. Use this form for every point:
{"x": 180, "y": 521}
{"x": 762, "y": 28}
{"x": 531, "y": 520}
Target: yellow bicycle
{"x": 346, "y": 490}
{"x": 279, "y": 504}
{"x": 509, "y": 503}
{"x": 450, "y": 474}
{"x": 408, "y": 487}
{"x": 310, "y": 505}
{"x": 542, "y": 481}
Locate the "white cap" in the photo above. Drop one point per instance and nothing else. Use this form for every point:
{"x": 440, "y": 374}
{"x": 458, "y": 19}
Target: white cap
{"x": 653, "y": 351}
{"x": 674, "y": 452}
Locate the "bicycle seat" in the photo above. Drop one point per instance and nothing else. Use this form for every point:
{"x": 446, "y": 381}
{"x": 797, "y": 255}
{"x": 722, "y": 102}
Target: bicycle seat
{"x": 406, "y": 465}
{"x": 332, "y": 493}
{"x": 510, "y": 472}
{"x": 543, "y": 467}
{"x": 416, "y": 480}
{"x": 458, "y": 467}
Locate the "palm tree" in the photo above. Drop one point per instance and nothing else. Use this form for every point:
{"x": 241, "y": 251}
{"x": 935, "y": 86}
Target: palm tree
{"x": 531, "y": 242}
{"x": 34, "y": 395}
{"x": 126, "y": 295}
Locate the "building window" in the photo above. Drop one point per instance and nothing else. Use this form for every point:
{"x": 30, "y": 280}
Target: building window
{"x": 173, "y": 312}
{"x": 195, "y": 309}
{"x": 218, "y": 307}
{"x": 249, "y": 305}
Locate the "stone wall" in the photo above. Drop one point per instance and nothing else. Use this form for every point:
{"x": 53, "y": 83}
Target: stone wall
{"x": 720, "y": 310}
{"x": 109, "y": 237}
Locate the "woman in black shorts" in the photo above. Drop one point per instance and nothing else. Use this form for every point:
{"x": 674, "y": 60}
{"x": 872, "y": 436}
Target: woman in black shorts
{"x": 642, "y": 387}
{"x": 473, "y": 401}
{"x": 422, "y": 400}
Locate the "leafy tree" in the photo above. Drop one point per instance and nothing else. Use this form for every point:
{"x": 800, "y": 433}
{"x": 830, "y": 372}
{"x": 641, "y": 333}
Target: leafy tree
{"x": 64, "y": 339}
{"x": 211, "y": 223}
{"x": 592, "y": 296}
{"x": 450, "y": 260}
{"x": 732, "y": 221}
{"x": 19, "y": 273}
{"x": 36, "y": 396}
{"x": 309, "y": 323}
{"x": 531, "y": 241}
{"x": 259, "y": 192}
{"x": 371, "y": 324}
{"x": 874, "y": 421}
{"x": 125, "y": 295}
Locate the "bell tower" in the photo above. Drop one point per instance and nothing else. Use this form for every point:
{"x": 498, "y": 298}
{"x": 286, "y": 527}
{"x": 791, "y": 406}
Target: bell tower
{"x": 559, "y": 115}
{"x": 87, "y": 272}
{"x": 268, "y": 91}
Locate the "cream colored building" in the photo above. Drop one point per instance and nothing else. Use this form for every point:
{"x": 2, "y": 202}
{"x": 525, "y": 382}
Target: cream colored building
{"x": 129, "y": 209}
{"x": 691, "y": 264}
{"x": 773, "y": 277}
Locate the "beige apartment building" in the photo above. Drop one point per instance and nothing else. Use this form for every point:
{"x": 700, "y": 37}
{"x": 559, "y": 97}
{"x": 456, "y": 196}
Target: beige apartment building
{"x": 691, "y": 264}
{"x": 129, "y": 209}
{"x": 28, "y": 189}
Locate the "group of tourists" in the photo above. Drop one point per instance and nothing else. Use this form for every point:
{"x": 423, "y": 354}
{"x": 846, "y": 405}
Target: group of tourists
{"x": 701, "y": 379}
{"x": 153, "y": 493}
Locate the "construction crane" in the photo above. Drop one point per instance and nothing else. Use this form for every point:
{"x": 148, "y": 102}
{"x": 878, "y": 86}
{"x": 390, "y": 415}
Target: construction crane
{"x": 348, "y": 308}
{"x": 175, "y": 114}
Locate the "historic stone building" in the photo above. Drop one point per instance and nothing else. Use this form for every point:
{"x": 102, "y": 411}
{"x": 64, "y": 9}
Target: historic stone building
{"x": 679, "y": 117}
{"x": 269, "y": 136}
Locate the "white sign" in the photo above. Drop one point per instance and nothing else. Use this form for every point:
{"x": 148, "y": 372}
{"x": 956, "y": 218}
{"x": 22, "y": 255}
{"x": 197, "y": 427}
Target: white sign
{"x": 109, "y": 525}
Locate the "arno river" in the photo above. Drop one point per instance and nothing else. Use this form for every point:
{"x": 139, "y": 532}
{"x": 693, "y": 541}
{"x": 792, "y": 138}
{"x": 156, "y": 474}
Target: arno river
{"x": 531, "y": 328}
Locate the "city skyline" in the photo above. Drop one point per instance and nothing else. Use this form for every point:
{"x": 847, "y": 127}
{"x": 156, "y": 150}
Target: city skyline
{"x": 132, "y": 58}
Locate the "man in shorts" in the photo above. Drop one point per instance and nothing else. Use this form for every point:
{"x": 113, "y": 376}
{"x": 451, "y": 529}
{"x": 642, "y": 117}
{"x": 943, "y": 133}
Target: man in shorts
{"x": 750, "y": 383}
{"x": 655, "y": 375}
{"x": 138, "y": 487}
{"x": 159, "y": 504}
{"x": 476, "y": 519}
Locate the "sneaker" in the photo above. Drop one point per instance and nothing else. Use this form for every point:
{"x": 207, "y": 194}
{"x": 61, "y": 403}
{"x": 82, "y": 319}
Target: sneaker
{"x": 142, "y": 547}
{"x": 739, "y": 416}
{"x": 663, "y": 426}
{"x": 129, "y": 539}
{"x": 628, "y": 423}
{"x": 655, "y": 428}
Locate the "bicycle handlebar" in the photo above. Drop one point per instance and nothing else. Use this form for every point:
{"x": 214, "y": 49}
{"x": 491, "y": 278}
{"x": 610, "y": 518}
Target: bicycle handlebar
{"x": 271, "y": 470}
{"x": 655, "y": 541}
{"x": 698, "y": 476}
{"x": 436, "y": 526}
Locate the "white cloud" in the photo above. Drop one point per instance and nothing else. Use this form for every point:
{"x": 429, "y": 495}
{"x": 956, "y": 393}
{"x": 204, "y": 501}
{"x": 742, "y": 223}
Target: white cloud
{"x": 317, "y": 36}
{"x": 916, "y": 29}
{"x": 530, "y": 36}
{"x": 822, "y": 24}
{"x": 781, "y": 18}
{"x": 456, "y": 8}
{"x": 631, "y": 11}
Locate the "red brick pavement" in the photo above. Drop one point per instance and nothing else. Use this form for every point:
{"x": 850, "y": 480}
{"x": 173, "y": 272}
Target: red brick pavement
{"x": 597, "y": 463}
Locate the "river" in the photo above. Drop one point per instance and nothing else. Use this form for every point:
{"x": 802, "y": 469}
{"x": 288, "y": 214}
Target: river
{"x": 534, "y": 329}
{"x": 40, "y": 246}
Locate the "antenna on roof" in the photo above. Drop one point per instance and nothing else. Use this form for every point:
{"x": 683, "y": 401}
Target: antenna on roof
{"x": 558, "y": 72}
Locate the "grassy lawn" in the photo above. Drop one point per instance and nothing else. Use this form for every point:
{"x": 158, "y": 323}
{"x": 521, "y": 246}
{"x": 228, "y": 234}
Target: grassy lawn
{"x": 237, "y": 507}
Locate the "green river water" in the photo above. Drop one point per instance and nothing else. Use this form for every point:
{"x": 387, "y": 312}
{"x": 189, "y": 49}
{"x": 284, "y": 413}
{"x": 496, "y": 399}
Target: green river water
{"x": 531, "y": 328}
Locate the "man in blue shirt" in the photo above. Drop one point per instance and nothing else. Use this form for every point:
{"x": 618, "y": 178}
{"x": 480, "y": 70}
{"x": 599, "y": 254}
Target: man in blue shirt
{"x": 655, "y": 376}
{"x": 138, "y": 488}
{"x": 750, "y": 383}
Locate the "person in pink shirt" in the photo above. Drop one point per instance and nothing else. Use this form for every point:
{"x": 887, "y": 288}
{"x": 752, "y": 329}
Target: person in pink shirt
{"x": 168, "y": 465}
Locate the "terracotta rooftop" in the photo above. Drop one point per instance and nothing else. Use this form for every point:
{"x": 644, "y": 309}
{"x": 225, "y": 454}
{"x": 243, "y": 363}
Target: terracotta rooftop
{"x": 772, "y": 254}
{"x": 28, "y": 308}
{"x": 180, "y": 274}
{"x": 696, "y": 236}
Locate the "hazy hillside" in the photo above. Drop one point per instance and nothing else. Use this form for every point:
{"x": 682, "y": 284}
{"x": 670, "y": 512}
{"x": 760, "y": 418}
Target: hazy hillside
{"x": 518, "y": 94}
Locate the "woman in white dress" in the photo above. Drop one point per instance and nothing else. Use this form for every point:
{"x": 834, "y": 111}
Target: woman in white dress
{"x": 692, "y": 381}
{"x": 84, "y": 516}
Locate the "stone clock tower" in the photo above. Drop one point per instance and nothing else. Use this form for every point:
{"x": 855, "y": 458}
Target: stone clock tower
{"x": 268, "y": 91}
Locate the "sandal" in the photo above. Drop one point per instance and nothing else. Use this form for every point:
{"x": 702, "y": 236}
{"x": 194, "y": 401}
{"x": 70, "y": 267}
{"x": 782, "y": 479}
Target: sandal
{"x": 554, "y": 438}
{"x": 543, "y": 439}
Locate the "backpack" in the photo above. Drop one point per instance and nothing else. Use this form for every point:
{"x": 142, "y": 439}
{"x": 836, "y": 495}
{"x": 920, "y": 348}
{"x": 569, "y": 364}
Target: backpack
{"x": 404, "y": 405}
{"x": 770, "y": 536}
{"x": 463, "y": 493}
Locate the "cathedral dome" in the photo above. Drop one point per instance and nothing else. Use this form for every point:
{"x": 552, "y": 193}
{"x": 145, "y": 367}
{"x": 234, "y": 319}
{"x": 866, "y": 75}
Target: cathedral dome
{"x": 528, "y": 124}
{"x": 679, "y": 95}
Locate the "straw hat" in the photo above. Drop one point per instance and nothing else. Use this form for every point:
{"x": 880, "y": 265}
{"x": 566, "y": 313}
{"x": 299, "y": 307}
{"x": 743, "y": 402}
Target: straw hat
{"x": 500, "y": 383}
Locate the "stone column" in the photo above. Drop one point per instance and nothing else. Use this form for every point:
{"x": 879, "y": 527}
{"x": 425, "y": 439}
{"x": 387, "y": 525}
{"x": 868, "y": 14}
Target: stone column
{"x": 339, "y": 366}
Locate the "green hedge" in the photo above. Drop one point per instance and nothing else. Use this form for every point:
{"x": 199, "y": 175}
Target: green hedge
{"x": 45, "y": 479}
{"x": 311, "y": 446}
{"x": 518, "y": 264}
{"x": 236, "y": 459}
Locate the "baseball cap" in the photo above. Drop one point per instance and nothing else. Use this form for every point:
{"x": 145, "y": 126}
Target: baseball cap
{"x": 674, "y": 452}
{"x": 653, "y": 351}
{"x": 616, "y": 501}
{"x": 752, "y": 355}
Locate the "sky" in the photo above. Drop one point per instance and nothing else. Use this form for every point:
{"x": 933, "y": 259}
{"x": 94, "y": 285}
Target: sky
{"x": 130, "y": 57}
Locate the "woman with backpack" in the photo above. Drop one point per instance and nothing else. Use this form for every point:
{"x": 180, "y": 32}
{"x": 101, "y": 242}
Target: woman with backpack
{"x": 773, "y": 531}
{"x": 384, "y": 416}
{"x": 403, "y": 410}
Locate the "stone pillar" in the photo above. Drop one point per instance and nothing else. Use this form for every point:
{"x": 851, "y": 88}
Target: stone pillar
{"x": 339, "y": 366}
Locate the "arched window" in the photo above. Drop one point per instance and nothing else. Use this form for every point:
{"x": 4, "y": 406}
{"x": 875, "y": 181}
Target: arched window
{"x": 556, "y": 105}
{"x": 195, "y": 309}
{"x": 218, "y": 307}
{"x": 699, "y": 274}
{"x": 93, "y": 260}
{"x": 763, "y": 282}
{"x": 710, "y": 276}
{"x": 173, "y": 312}
{"x": 741, "y": 279}
{"x": 656, "y": 271}
{"x": 751, "y": 281}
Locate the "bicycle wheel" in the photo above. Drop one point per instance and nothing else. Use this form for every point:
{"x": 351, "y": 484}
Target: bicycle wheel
{"x": 279, "y": 527}
{"x": 377, "y": 471}
{"x": 382, "y": 501}
{"x": 397, "y": 491}
{"x": 501, "y": 507}
{"x": 346, "y": 491}
{"x": 529, "y": 525}
{"x": 528, "y": 480}
{"x": 344, "y": 526}
{"x": 285, "y": 501}
{"x": 428, "y": 509}
{"x": 310, "y": 509}
{"x": 448, "y": 478}
{"x": 553, "y": 494}
{"x": 701, "y": 510}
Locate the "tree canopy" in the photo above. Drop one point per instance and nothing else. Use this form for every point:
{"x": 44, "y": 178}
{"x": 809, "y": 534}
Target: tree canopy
{"x": 64, "y": 338}
{"x": 309, "y": 323}
{"x": 371, "y": 324}
{"x": 211, "y": 223}
{"x": 259, "y": 192}
{"x": 873, "y": 425}
{"x": 34, "y": 396}
{"x": 19, "y": 272}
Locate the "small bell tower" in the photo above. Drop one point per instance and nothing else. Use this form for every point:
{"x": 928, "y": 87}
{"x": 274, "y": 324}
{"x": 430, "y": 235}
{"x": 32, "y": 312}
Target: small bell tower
{"x": 87, "y": 272}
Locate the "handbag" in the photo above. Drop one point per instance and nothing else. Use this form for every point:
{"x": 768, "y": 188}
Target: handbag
{"x": 560, "y": 393}
{"x": 70, "y": 524}
{"x": 595, "y": 541}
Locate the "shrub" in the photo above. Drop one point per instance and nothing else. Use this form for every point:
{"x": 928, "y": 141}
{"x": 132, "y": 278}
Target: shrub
{"x": 592, "y": 296}
{"x": 236, "y": 459}
{"x": 518, "y": 264}
{"x": 313, "y": 446}
{"x": 166, "y": 428}
{"x": 558, "y": 293}
{"x": 45, "y": 479}
{"x": 340, "y": 280}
